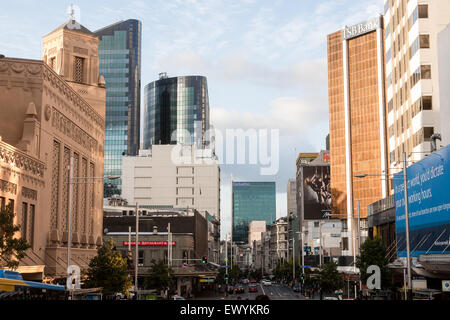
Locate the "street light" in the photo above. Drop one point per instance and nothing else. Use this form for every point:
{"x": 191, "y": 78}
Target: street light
{"x": 405, "y": 188}
{"x": 71, "y": 183}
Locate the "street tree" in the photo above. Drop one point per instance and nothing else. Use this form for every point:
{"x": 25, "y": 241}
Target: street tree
{"x": 160, "y": 276}
{"x": 12, "y": 249}
{"x": 329, "y": 279}
{"x": 108, "y": 270}
{"x": 373, "y": 253}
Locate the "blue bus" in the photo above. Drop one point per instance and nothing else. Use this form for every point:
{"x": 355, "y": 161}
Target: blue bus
{"x": 13, "y": 287}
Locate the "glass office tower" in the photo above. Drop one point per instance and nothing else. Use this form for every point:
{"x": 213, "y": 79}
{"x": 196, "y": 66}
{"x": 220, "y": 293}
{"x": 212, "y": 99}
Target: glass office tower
{"x": 176, "y": 110}
{"x": 120, "y": 64}
{"x": 251, "y": 201}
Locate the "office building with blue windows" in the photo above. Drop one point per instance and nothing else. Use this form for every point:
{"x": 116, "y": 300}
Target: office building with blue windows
{"x": 176, "y": 111}
{"x": 120, "y": 64}
{"x": 251, "y": 201}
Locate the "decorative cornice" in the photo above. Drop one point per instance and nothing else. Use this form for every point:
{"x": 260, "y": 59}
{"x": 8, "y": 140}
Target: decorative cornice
{"x": 21, "y": 160}
{"x": 58, "y": 83}
{"x": 37, "y": 68}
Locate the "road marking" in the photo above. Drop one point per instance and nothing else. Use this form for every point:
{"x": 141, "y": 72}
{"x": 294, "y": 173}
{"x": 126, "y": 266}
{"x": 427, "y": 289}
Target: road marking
{"x": 262, "y": 288}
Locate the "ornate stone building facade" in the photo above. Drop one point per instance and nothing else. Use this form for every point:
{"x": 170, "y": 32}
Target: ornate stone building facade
{"x": 50, "y": 111}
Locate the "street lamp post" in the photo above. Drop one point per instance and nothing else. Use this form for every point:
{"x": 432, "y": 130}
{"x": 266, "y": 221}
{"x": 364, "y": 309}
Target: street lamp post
{"x": 405, "y": 189}
{"x": 408, "y": 259}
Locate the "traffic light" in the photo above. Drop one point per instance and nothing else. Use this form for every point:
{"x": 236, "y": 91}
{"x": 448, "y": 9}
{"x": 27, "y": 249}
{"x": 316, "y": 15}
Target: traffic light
{"x": 226, "y": 277}
{"x": 204, "y": 259}
{"x": 302, "y": 276}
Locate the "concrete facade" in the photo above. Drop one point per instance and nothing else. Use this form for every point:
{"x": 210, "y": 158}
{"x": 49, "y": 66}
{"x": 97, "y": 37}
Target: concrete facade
{"x": 255, "y": 228}
{"x": 189, "y": 241}
{"x": 190, "y": 179}
{"x": 413, "y": 73}
{"x": 48, "y": 115}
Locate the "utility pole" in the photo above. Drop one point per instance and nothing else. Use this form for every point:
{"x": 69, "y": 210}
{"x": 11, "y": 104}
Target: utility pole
{"x": 69, "y": 240}
{"x": 169, "y": 246}
{"x": 359, "y": 240}
{"x": 137, "y": 251}
{"x": 408, "y": 258}
{"x": 293, "y": 260}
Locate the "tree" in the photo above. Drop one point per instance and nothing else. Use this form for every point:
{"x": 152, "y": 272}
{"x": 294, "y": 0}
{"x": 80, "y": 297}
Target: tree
{"x": 12, "y": 250}
{"x": 160, "y": 277}
{"x": 108, "y": 270}
{"x": 235, "y": 273}
{"x": 329, "y": 278}
{"x": 373, "y": 253}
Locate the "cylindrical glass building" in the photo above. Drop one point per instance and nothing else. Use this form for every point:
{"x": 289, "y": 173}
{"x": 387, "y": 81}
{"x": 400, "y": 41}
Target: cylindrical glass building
{"x": 176, "y": 111}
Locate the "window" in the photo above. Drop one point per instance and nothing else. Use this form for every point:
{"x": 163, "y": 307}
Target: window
{"x": 427, "y": 103}
{"x": 344, "y": 243}
{"x": 78, "y": 68}
{"x": 423, "y": 11}
{"x": 413, "y": 18}
{"x": 425, "y": 72}
{"x": 53, "y": 63}
{"x": 31, "y": 226}
{"x": 424, "y": 40}
{"x": 24, "y": 220}
{"x": 427, "y": 133}
{"x": 141, "y": 258}
{"x": 2, "y": 203}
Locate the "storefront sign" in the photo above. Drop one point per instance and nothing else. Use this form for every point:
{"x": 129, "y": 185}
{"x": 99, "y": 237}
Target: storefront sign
{"x": 149, "y": 243}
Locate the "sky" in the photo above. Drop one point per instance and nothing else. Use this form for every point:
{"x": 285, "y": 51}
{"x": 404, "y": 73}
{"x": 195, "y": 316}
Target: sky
{"x": 265, "y": 62}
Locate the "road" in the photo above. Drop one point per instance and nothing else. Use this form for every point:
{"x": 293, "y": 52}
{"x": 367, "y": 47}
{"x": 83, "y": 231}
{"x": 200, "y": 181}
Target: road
{"x": 274, "y": 292}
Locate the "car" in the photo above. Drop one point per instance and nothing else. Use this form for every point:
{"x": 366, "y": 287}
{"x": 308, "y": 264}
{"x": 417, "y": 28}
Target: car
{"x": 176, "y": 297}
{"x": 330, "y": 298}
{"x": 230, "y": 289}
{"x": 266, "y": 282}
{"x": 297, "y": 288}
{"x": 239, "y": 289}
{"x": 245, "y": 281}
{"x": 253, "y": 281}
{"x": 253, "y": 288}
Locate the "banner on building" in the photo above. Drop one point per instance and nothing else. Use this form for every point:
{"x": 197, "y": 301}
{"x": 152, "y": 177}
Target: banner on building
{"x": 428, "y": 205}
{"x": 316, "y": 191}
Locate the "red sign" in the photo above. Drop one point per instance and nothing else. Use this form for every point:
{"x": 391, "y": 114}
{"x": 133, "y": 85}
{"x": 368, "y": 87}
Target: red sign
{"x": 149, "y": 243}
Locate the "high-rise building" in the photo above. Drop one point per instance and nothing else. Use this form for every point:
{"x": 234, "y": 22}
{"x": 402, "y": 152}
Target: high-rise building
{"x": 153, "y": 178}
{"x": 251, "y": 201}
{"x": 293, "y": 222}
{"x": 51, "y": 111}
{"x": 356, "y": 85}
{"x": 413, "y": 68}
{"x": 120, "y": 64}
{"x": 176, "y": 111}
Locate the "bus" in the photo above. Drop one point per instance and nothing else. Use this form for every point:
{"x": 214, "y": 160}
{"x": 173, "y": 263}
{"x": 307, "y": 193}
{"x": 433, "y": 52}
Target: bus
{"x": 13, "y": 287}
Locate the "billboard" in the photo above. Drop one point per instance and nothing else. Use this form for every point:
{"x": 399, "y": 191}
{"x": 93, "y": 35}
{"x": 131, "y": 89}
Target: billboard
{"x": 316, "y": 191}
{"x": 428, "y": 205}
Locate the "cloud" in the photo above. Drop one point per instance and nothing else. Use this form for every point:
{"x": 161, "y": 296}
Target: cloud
{"x": 238, "y": 67}
{"x": 292, "y": 115}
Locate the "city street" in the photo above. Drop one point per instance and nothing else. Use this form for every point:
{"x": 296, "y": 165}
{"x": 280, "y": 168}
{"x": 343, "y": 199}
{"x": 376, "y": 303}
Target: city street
{"x": 274, "y": 292}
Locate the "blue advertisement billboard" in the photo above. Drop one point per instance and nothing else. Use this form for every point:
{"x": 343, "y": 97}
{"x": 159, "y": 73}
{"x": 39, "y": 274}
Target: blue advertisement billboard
{"x": 428, "y": 205}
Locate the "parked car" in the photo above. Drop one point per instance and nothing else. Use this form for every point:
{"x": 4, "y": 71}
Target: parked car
{"x": 176, "y": 297}
{"x": 253, "y": 288}
{"x": 230, "y": 289}
{"x": 297, "y": 288}
{"x": 253, "y": 281}
{"x": 239, "y": 289}
{"x": 245, "y": 281}
{"x": 266, "y": 282}
{"x": 330, "y": 298}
